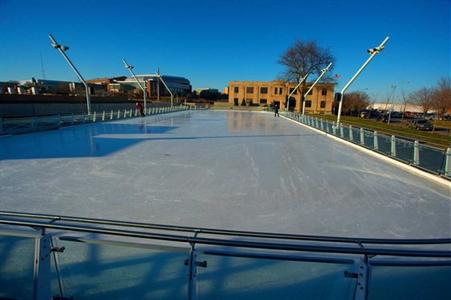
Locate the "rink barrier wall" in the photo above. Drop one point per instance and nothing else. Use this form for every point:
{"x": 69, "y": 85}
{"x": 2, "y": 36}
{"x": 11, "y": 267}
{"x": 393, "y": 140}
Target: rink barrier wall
{"x": 358, "y": 256}
{"x": 10, "y": 126}
{"x": 412, "y": 156}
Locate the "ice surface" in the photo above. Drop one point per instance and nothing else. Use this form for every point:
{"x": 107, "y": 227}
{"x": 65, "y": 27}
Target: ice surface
{"x": 235, "y": 170}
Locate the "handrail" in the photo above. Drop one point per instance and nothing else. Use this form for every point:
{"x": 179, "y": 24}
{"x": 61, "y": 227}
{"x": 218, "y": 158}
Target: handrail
{"x": 268, "y": 235}
{"x": 233, "y": 243}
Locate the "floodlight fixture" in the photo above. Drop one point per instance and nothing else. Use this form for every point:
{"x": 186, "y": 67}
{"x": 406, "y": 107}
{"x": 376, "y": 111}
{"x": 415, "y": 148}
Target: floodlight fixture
{"x": 62, "y": 50}
{"x": 372, "y": 52}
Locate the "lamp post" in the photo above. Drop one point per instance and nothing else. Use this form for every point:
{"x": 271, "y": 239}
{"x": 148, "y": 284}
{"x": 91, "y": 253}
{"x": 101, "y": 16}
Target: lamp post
{"x": 62, "y": 49}
{"x": 299, "y": 83}
{"x": 372, "y": 52}
{"x": 167, "y": 88}
{"x": 295, "y": 88}
{"x": 323, "y": 71}
{"x": 130, "y": 69}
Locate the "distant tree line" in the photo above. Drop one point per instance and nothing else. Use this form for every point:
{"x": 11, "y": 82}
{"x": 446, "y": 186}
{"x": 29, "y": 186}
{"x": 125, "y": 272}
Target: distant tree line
{"x": 437, "y": 98}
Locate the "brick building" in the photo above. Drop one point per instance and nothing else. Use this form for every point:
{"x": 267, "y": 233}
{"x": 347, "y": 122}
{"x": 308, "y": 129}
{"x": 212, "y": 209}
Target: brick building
{"x": 319, "y": 100}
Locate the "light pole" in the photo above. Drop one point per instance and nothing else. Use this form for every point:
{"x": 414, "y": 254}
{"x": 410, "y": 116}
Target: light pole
{"x": 167, "y": 88}
{"x": 299, "y": 83}
{"x": 62, "y": 49}
{"x": 158, "y": 85}
{"x": 373, "y": 52}
{"x": 295, "y": 88}
{"x": 130, "y": 69}
{"x": 323, "y": 71}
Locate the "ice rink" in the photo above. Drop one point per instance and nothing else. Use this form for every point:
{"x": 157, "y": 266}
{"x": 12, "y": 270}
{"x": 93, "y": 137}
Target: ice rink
{"x": 234, "y": 170}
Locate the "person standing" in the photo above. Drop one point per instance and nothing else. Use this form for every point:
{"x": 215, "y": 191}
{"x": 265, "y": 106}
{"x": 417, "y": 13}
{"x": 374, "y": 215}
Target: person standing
{"x": 276, "y": 110}
{"x": 140, "y": 107}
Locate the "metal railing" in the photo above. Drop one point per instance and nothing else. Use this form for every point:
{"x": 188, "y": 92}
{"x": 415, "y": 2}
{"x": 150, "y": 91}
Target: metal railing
{"x": 30, "y": 124}
{"x": 412, "y": 152}
{"x": 196, "y": 250}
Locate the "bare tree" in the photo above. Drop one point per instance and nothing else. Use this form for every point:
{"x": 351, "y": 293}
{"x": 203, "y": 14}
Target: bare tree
{"x": 405, "y": 100}
{"x": 441, "y": 96}
{"x": 354, "y": 102}
{"x": 423, "y": 98}
{"x": 302, "y": 58}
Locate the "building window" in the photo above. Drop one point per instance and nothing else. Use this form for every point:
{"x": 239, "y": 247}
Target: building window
{"x": 249, "y": 90}
{"x": 236, "y": 89}
{"x": 311, "y": 92}
{"x": 323, "y": 104}
{"x": 275, "y": 91}
{"x": 235, "y": 101}
{"x": 280, "y": 91}
{"x": 263, "y": 101}
{"x": 263, "y": 90}
{"x": 291, "y": 91}
{"x": 249, "y": 101}
{"x": 308, "y": 103}
{"x": 324, "y": 92}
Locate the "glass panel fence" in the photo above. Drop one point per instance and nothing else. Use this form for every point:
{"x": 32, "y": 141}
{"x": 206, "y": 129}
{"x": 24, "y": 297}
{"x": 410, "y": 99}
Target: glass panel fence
{"x": 410, "y": 283}
{"x": 356, "y": 135}
{"x": 235, "y": 278}
{"x": 368, "y": 139}
{"x": 93, "y": 271}
{"x": 384, "y": 144}
{"x": 16, "y": 267}
{"x": 345, "y": 130}
{"x": 404, "y": 150}
{"x": 432, "y": 159}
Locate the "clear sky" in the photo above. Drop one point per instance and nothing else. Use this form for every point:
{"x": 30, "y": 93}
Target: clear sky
{"x": 213, "y": 42}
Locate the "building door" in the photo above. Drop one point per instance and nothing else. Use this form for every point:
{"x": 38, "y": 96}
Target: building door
{"x": 292, "y": 104}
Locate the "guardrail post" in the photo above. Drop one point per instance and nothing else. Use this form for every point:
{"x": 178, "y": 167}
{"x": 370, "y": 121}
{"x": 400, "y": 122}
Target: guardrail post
{"x": 111, "y": 115}
{"x": 416, "y": 153}
{"x": 41, "y": 271}
{"x": 360, "y": 272}
{"x": 342, "y": 133}
{"x": 393, "y": 146}
{"x": 136, "y": 112}
{"x": 362, "y": 136}
{"x": 448, "y": 162}
{"x": 103, "y": 116}
{"x": 118, "y": 113}
{"x": 375, "y": 141}
{"x": 321, "y": 124}
{"x": 94, "y": 117}
{"x": 334, "y": 128}
{"x": 124, "y": 113}
{"x": 351, "y": 134}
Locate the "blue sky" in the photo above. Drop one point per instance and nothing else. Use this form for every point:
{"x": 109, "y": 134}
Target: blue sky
{"x": 213, "y": 42}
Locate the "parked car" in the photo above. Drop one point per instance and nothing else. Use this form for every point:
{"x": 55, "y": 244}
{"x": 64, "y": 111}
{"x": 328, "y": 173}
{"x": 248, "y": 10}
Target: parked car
{"x": 422, "y": 124}
{"x": 370, "y": 114}
{"x": 394, "y": 117}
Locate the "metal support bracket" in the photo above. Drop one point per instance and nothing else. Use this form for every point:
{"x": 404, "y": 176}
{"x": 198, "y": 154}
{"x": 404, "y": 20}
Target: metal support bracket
{"x": 41, "y": 273}
{"x": 360, "y": 274}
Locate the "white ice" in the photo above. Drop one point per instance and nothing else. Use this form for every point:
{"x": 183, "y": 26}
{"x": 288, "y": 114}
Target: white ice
{"x": 234, "y": 170}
